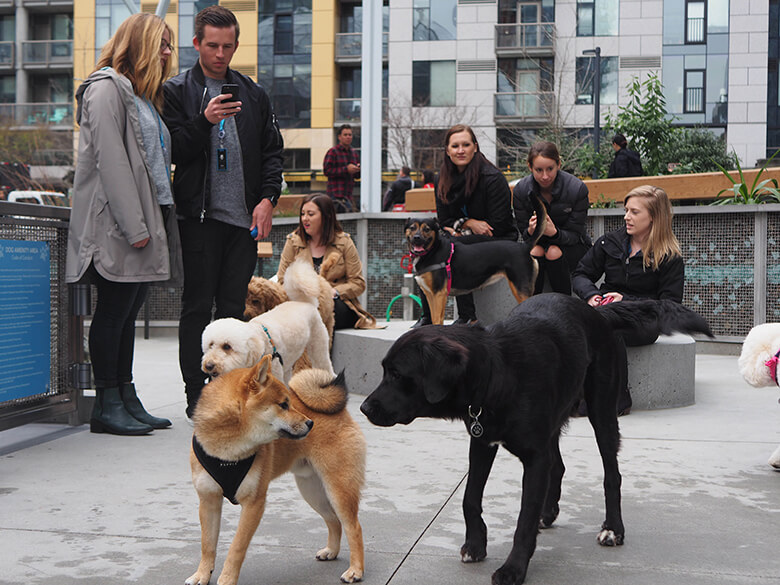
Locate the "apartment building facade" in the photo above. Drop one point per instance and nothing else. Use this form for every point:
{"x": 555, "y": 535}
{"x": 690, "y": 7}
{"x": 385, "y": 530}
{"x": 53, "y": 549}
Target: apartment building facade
{"x": 506, "y": 67}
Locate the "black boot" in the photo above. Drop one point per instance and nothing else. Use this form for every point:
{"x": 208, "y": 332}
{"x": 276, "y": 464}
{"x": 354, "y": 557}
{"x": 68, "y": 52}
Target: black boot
{"x": 558, "y": 275}
{"x": 136, "y": 409}
{"x": 192, "y": 392}
{"x": 425, "y": 318}
{"x": 467, "y": 311}
{"x": 110, "y": 416}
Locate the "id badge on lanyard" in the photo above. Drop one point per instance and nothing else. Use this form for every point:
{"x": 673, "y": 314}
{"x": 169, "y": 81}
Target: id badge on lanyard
{"x": 222, "y": 162}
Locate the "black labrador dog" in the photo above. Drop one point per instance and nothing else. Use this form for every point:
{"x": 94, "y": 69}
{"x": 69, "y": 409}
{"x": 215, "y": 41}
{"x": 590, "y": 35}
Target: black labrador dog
{"x": 514, "y": 383}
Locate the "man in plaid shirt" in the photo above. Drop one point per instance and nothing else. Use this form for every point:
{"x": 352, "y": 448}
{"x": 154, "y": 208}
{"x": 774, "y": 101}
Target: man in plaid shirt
{"x": 341, "y": 166}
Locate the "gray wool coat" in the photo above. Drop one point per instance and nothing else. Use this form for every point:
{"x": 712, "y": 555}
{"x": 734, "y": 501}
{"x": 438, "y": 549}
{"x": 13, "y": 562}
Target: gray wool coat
{"x": 114, "y": 198}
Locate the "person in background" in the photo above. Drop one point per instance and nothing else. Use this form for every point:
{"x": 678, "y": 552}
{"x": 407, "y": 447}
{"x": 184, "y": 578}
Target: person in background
{"x": 117, "y": 237}
{"x": 626, "y": 163}
{"x": 396, "y": 192}
{"x": 428, "y": 179}
{"x": 342, "y": 167}
{"x": 473, "y": 203}
{"x": 228, "y": 157}
{"x": 641, "y": 260}
{"x": 566, "y": 198}
{"x": 320, "y": 240}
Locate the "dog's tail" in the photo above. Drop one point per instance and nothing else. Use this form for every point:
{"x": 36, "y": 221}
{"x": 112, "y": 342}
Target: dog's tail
{"x": 654, "y": 316}
{"x": 320, "y": 391}
{"x": 301, "y": 283}
{"x": 541, "y": 219}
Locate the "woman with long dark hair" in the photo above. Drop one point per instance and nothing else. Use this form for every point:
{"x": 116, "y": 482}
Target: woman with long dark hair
{"x": 473, "y": 203}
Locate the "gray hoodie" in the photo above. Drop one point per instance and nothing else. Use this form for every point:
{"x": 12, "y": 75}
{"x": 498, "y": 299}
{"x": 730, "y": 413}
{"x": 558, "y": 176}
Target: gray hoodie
{"x": 114, "y": 199}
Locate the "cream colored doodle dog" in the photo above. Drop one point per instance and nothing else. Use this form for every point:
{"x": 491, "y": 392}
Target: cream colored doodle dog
{"x": 758, "y": 363}
{"x": 284, "y": 332}
{"x": 250, "y": 429}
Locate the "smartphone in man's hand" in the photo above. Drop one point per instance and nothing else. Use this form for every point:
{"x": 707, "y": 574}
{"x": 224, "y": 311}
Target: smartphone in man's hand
{"x": 232, "y": 89}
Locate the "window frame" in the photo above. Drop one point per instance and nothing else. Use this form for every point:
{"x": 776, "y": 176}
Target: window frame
{"x": 703, "y": 100}
{"x": 703, "y": 39}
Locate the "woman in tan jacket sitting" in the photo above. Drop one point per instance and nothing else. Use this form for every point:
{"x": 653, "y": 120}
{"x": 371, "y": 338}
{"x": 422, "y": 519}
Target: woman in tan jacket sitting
{"x": 320, "y": 239}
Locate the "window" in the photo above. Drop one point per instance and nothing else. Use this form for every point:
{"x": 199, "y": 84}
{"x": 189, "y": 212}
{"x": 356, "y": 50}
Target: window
{"x": 435, "y": 21}
{"x": 283, "y": 34}
{"x": 433, "y": 83}
{"x": 296, "y": 159}
{"x": 693, "y": 94}
{"x": 695, "y": 22}
{"x": 427, "y": 149}
{"x": 7, "y": 89}
{"x": 597, "y": 18}
{"x": 609, "y": 80}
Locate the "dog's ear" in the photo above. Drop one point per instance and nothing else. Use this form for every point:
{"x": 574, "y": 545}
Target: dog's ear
{"x": 444, "y": 365}
{"x": 434, "y": 223}
{"x": 255, "y": 350}
{"x": 261, "y": 370}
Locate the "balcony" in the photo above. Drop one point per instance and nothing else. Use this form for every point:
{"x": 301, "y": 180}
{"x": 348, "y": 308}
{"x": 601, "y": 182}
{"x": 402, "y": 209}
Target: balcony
{"x": 348, "y": 110}
{"x": 47, "y": 54}
{"x": 48, "y": 3}
{"x": 349, "y": 47}
{"x": 524, "y": 107}
{"x": 57, "y": 115}
{"x": 7, "y": 50}
{"x": 537, "y": 39}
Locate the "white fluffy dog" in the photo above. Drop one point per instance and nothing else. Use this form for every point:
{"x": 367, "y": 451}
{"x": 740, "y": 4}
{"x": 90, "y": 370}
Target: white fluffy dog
{"x": 284, "y": 332}
{"x": 758, "y": 363}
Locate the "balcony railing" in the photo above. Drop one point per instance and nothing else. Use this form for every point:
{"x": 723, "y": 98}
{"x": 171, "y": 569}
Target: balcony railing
{"x": 7, "y": 49}
{"x": 349, "y": 46}
{"x": 695, "y": 31}
{"x": 348, "y": 110}
{"x": 524, "y": 106}
{"x": 54, "y": 114}
{"x": 535, "y": 38}
{"x": 47, "y": 53}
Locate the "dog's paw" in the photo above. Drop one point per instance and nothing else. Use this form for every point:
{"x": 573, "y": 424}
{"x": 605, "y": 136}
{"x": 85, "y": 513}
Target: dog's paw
{"x": 774, "y": 459}
{"x": 608, "y": 537}
{"x": 327, "y": 554}
{"x": 352, "y": 575}
{"x": 548, "y": 518}
{"x": 508, "y": 576}
{"x": 472, "y": 553}
{"x": 201, "y": 577}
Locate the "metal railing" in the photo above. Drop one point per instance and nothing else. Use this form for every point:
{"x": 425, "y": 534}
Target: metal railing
{"x": 55, "y": 114}
{"x": 533, "y": 38}
{"x": 47, "y": 53}
{"x": 349, "y": 46}
{"x": 523, "y": 106}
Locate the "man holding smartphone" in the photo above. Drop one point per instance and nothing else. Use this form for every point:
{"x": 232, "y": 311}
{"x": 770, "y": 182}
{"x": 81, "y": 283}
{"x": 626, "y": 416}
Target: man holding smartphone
{"x": 227, "y": 152}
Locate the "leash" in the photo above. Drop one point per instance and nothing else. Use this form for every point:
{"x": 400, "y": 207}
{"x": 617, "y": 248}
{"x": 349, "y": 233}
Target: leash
{"x": 275, "y": 353}
{"x": 771, "y": 363}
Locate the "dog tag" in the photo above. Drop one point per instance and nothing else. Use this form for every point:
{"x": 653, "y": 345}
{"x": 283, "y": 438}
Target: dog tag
{"x": 476, "y": 430}
{"x": 222, "y": 159}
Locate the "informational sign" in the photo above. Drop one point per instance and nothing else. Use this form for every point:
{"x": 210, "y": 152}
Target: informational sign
{"x": 25, "y": 315}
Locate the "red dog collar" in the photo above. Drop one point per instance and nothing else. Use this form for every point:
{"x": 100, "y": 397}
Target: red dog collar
{"x": 771, "y": 363}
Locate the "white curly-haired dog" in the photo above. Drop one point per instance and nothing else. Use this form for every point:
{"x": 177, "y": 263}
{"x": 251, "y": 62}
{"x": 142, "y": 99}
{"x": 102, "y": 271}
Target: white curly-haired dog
{"x": 284, "y": 332}
{"x": 758, "y": 363}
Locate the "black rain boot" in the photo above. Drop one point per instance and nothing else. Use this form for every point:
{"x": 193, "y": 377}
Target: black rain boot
{"x": 558, "y": 275}
{"x": 136, "y": 409}
{"x": 425, "y": 317}
{"x": 467, "y": 311}
{"x": 539, "y": 284}
{"x": 193, "y": 394}
{"x": 110, "y": 416}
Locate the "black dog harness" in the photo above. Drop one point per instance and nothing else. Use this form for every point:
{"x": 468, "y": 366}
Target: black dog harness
{"x": 446, "y": 265}
{"x": 228, "y": 474}
{"x": 275, "y": 353}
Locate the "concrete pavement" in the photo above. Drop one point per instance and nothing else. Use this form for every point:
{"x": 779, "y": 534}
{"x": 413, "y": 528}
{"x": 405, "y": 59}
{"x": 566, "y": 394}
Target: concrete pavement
{"x": 700, "y": 503}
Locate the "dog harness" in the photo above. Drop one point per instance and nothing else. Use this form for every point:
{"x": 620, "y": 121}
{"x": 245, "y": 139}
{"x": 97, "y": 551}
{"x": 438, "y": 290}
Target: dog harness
{"x": 275, "y": 353}
{"x": 771, "y": 363}
{"x": 228, "y": 474}
{"x": 446, "y": 265}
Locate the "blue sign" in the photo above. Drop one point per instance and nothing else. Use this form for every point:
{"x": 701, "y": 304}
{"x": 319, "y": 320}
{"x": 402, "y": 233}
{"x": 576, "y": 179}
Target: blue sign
{"x": 25, "y": 317}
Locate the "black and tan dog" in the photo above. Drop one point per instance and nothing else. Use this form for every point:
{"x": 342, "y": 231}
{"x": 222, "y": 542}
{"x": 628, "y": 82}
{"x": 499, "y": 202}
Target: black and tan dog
{"x": 514, "y": 384}
{"x": 443, "y": 266}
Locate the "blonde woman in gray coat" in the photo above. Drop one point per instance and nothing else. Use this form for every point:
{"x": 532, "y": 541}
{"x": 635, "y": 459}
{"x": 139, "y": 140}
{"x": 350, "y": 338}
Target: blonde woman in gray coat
{"x": 121, "y": 197}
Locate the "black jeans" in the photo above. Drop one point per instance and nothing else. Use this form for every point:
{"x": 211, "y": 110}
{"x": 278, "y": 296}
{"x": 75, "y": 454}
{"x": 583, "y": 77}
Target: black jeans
{"x": 112, "y": 332}
{"x": 219, "y": 261}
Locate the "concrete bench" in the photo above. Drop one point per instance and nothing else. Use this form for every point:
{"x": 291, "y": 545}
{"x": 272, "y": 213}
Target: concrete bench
{"x": 661, "y": 375}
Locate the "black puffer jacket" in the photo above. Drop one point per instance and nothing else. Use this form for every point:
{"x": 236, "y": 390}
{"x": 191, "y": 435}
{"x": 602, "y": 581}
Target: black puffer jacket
{"x": 261, "y": 141}
{"x": 609, "y": 257}
{"x": 625, "y": 164}
{"x": 568, "y": 209}
{"x": 490, "y": 202}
